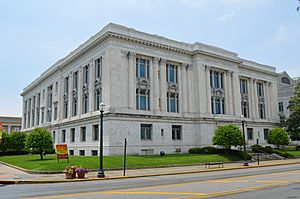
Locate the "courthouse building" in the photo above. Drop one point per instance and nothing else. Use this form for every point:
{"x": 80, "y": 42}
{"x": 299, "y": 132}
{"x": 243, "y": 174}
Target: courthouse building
{"x": 160, "y": 94}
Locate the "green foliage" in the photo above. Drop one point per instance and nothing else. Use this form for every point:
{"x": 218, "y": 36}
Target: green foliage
{"x": 257, "y": 148}
{"x": 204, "y": 150}
{"x": 39, "y": 140}
{"x": 237, "y": 153}
{"x": 298, "y": 148}
{"x": 292, "y": 124}
{"x": 227, "y": 136}
{"x": 282, "y": 153}
{"x": 277, "y": 137}
{"x": 6, "y": 142}
{"x": 18, "y": 141}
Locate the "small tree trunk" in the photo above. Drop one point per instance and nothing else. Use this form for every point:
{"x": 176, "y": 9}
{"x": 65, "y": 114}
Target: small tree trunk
{"x": 41, "y": 155}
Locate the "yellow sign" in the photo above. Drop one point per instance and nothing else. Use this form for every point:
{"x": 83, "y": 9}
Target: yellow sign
{"x": 62, "y": 151}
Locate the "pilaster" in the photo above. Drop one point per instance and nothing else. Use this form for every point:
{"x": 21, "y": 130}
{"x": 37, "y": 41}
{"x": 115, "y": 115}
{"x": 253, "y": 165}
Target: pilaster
{"x": 163, "y": 85}
{"x": 208, "y": 89}
{"x": 154, "y": 85}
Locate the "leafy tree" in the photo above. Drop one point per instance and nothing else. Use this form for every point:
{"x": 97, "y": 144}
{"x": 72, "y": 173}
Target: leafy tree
{"x": 227, "y": 136}
{"x": 39, "y": 140}
{"x": 6, "y": 142}
{"x": 18, "y": 141}
{"x": 277, "y": 137}
{"x": 292, "y": 123}
{"x": 298, "y": 8}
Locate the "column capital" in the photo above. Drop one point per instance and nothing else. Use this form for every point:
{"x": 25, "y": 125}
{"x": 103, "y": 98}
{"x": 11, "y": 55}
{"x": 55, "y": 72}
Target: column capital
{"x": 229, "y": 72}
{"x": 161, "y": 60}
{"x": 207, "y": 67}
{"x": 184, "y": 66}
{"x": 127, "y": 53}
{"x": 155, "y": 59}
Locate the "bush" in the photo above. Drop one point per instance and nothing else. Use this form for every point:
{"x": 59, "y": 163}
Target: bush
{"x": 256, "y": 148}
{"x": 204, "y": 150}
{"x": 297, "y": 147}
{"x": 282, "y": 153}
{"x": 194, "y": 150}
{"x": 18, "y": 141}
{"x": 227, "y": 136}
{"x": 237, "y": 153}
{"x": 277, "y": 137}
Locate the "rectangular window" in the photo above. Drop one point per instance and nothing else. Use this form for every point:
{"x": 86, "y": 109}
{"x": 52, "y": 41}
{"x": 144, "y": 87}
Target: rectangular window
{"x": 260, "y": 89}
{"x": 217, "y": 105}
{"x": 49, "y": 103}
{"x": 146, "y": 131}
{"x": 82, "y": 152}
{"x": 142, "y": 99}
{"x": 83, "y": 134}
{"x": 245, "y": 109}
{"x": 55, "y": 111}
{"x": 172, "y": 102}
{"x": 142, "y": 68}
{"x": 75, "y": 80}
{"x": 280, "y": 106}
{"x": 94, "y": 153}
{"x": 53, "y": 137}
{"x": 98, "y": 97}
{"x": 63, "y": 136}
{"x": 266, "y": 132}
{"x": 85, "y": 99}
{"x": 216, "y": 79}
{"x": 66, "y": 97}
{"x": 176, "y": 132}
{"x": 98, "y": 67}
{"x": 56, "y": 87}
{"x": 243, "y": 86}
{"x": 250, "y": 133}
{"x": 42, "y": 115}
{"x": 261, "y": 109}
{"x": 71, "y": 152}
{"x": 95, "y": 136}
{"x": 72, "y": 135}
{"x": 86, "y": 74}
{"x": 171, "y": 73}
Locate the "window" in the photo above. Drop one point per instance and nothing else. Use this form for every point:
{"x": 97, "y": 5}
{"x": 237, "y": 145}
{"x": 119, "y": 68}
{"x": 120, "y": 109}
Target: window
{"x": 63, "y": 136}
{"x": 85, "y": 95}
{"x": 250, "y": 133}
{"x": 243, "y": 86}
{"x": 142, "y": 99}
{"x": 161, "y": 132}
{"x": 245, "y": 109}
{"x": 261, "y": 110}
{"x": 146, "y": 131}
{"x": 83, "y": 134}
{"x": 280, "y": 106}
{"x": 98, "y": 97}
{"x": 38, "y": 109}
{"x": 176, "y": 132}
{"x": 142, "y": 68}
{"x": 66, "y": 97}
{"x": 75, "y": 80}
{"x": 71, "y": 152}
{"x": 86, "y": 74}
{"x": 82, "y": 152}
{"x": 172, "y": 102}
{"x": 98, "y": 68}
{"x": 285, "y": 80}
{"x": 43, "y": 95}
{"x": 94, "y": 153}
{"x": 53, "y": 136}
{"x": 49, "y": 103}
{"x": 85, "y": 103}
{"x": 216, "y": 79}
{"x": 217, "y": 105}
{"x": 55, "y": 111}
{"x": 171, "y": 73}
{"x": 260, "y": 89}
{"x": 266, "y": 132}
{"x": 95, "y": 136}
{"x": 56, "y": 87}
{"x": 72, "y": 135}
{"x": 42, "y": 115}
{"x": 75, "y": 94}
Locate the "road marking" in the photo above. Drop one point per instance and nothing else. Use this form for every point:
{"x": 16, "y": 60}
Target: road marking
{"x": 191, "y": 194}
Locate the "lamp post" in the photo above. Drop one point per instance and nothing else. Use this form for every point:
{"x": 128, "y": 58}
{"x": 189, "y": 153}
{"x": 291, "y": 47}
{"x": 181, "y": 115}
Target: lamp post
{"x": 244, "y": 142}
{"x": 101, "y": 171}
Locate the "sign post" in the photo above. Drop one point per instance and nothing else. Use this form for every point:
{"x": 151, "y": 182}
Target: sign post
{"x": 62, "y": 152}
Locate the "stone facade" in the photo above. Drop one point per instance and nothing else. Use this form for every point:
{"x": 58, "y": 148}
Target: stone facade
{"x": 10, "y": 124}
{"x": 160, "y": 94}
{"x": 286, "y": 89}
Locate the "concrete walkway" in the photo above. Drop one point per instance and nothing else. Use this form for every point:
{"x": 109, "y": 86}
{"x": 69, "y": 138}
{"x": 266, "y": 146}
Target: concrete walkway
{"x": 9, "y": 175}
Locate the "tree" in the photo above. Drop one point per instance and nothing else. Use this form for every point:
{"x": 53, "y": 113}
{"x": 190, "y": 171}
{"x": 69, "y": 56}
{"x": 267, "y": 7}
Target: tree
{"x": 298, "y": 8}
{"x": 6, "y": 142}
{"x": 277, "y": 137}
{"x": 227, "y": 136}
{"x": 39, "y": 140}
{"x": 18, "y": 141}
{"x": 292, "y": 123}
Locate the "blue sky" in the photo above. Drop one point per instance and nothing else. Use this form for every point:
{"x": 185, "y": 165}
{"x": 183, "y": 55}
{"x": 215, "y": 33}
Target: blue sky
{"x": 34, "y": 34}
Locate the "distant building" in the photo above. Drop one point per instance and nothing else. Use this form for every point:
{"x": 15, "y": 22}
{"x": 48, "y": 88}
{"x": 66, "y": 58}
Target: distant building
{"x": 10, "y": 124}
{"x": 286, "y": 89}
{"x": 160, "y": 94}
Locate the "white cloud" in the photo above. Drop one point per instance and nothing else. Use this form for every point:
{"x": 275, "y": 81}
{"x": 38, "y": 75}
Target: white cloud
{"x": 226, "y": 17}
{"x": 283, "y": 34}
{"x": 194, "y": 3}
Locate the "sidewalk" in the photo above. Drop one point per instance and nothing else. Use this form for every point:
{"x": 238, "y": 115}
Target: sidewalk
{"x": 9, "y": 175}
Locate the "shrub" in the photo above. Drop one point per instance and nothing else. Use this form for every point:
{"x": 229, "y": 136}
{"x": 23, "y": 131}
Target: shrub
{"x": 277, "y": 137}
{"x": 234, "y": 152}
{"x": 194, "y": 150}
{"x": 204, "y": 150}
{"x": 257, "y": 148}
{"x": 297, "y": 147}
{"x": 18, "y": 141}
{"x": 227, "y": 136}
{"x": 282, "y": 153}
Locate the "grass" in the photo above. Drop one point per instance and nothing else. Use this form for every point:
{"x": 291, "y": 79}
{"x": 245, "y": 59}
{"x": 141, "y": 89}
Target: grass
{"x": 294, "y": 153}
{"x": 32, "y": 162}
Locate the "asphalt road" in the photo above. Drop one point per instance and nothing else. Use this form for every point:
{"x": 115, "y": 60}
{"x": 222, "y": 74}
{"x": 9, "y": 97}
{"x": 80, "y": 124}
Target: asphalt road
{"x": 267, "y": 182}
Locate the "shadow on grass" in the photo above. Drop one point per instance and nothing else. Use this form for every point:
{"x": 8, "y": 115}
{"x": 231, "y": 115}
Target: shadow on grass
{"x": 38, "y": 159}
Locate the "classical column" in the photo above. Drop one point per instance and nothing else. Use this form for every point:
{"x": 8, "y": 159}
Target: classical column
{"x": 91, "y": 86}
{"x": 251, "y": 98}
{"x": 208, "y": 89}
{"x": 79, "y": 94}
{"x": 225, "y": 87}
{"x": 202, "y": 88}
{"x": 183, "y": 85}
{"x": 254, "y": 82}
{"x": 229, "y": 93}
{"x": 236, "y": 94}
{"x": 180, "y": 88}
{"x": 154, "y": 92}
{"x": 132, "y": 80}
{"x": 163, "y": 85}
{"x": 267, "y": 100}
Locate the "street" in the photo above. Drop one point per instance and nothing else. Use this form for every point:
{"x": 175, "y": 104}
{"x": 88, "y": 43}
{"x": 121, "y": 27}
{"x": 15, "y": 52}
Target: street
{"x": 264, "y": 182}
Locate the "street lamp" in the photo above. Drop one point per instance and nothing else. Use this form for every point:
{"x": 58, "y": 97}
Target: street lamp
{"x": 101, "y": 171}
{"x": 244, "y": 142}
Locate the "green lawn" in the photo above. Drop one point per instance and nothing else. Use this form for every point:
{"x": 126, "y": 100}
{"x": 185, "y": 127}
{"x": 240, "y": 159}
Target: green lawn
{"x": 32, "y": 162}
{"x": 295, "y": 153}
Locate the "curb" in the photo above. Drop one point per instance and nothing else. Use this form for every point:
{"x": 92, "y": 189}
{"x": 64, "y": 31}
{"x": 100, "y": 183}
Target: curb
{"x": 138, "y": 176}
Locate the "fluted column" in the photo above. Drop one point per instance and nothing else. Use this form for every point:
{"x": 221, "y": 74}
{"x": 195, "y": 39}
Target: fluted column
{"x": 80, "y": 84}
{"x": 208, "y": 89}
{"x": 229, "y": 93}
{"x": 236, "y": 95}
{"x": 183, "y": 85}
{"x": 225, "y": 87}
{"x": 132, "y": 80}
{"x": 154, "y": 85}
{"x": 163, "y": 85}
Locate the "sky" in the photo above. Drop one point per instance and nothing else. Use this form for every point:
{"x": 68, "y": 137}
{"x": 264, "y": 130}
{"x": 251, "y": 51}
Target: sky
{"x": 34, "y": 34}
